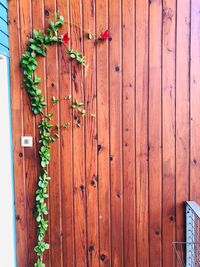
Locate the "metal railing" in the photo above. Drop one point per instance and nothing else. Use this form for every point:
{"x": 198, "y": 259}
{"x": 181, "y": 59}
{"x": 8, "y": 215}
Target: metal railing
{"x": 192, "y": 234}
{"x": 188, "y": 252}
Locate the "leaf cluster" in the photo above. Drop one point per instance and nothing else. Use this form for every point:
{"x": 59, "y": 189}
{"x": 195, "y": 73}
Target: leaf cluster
{"x": 38, "y": 44}
{"x": 75, "y": 55}
{"x": 41, "y": 193}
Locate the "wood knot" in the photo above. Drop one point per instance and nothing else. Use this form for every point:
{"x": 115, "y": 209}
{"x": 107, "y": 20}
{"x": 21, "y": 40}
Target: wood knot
{"x": 157, "y": 231}
{"x": 17, "y": 217}
{"x": 103, "y": 257}
{"x": 82, "y": 187}
{"x": 168, "y": 13}
{"x": 117, "y": 68}
{"x": 194, "y": 161}
{"x": 46, "y": 12}
{"x": 20, "y": 154}
{"x": 99, "y": 147}
{"x": 118, "y": 195}
{"x": 91, "y": 248}
{"x": 111, "y": 157}
{"x": 93, "y": 183}
{"x": 172, "y": 218}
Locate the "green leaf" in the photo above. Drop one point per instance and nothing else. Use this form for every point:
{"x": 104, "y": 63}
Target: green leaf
{"x": 56, "y": 135}
{"x": 36, "y": 79}
{"x": 47, "y": 246}
{"x": 52, "y": 25}
{"x": 90, "y": 36}
{"x": 64, "y": 125}
{"x": 38, "y": 91}
{"x": 54, "y": 38}
{"x": 33, "y": 46}
{"x": 55, "y": 99}
{"x": 81, "y": 104}
{"x": 49, "y": 115}
{"x": 35, "y": 33}
{"x": 61, "y": 20}
{"x": 72, "y": 56}
{"x": 39, "y": 263}
{"x": 43, "y": 164}
{"x": 38, "y": 218}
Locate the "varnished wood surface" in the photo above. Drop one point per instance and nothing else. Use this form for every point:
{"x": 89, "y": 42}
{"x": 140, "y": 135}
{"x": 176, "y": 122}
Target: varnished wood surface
{"x": 120, "y": 181}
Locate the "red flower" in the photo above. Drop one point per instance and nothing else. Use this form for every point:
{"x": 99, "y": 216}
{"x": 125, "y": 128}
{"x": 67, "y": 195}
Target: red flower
{"x": 65, "y": 39}
{"x": 105, "y": 35}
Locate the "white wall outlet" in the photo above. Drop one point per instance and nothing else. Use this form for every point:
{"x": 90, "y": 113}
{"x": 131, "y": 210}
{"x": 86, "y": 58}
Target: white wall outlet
{"x": 26, "y": 141}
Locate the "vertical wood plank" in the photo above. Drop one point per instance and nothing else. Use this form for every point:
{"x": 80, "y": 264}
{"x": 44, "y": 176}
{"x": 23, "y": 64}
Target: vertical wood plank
{"x": 128, "y": 67}
{"x": 115, "y": 82}
{"x": 66, "y": 145}
{"x": 168, "y": 129}
{"x": 91, "y": 135}
{"x": 195, "y": 101}
{"x": 155, "y": 141}
{"x": 142, "y": 133}
{"x": 17, "y": 125}
{"x": 54, "y": 166}
{"x": 38, "y": 24}
{"x": 182, "y": 113}
{"x": 28, "y": 130}
{"x": 103, "y": 136}
{"x": 78, "y": 139}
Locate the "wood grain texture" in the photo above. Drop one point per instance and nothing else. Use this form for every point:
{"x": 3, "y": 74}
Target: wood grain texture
{"x": 194, "y": 101}
{"x": 115, "y": 93}
{"x": 128, "y": 105}
{"x": 52, "y": 87}
{"x": 17, "y": 124}
{"x": 120, "y": 181}
{"x": 28, "y": 130}
{"x": 182, "y": 113}
{"x": 155, "y": 141}
{"x": 142, "y": 157}
{"x": 66, "y": 147}
{"x": 103, "y": 135}
{"x": 168, "y": 129}
{"x": 76, "y": 22}
{"x": 91, "y": 135}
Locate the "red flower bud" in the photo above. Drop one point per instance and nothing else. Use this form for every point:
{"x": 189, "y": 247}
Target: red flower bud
{"x": 104, "y": 35}
{"x": 65, "y": 39}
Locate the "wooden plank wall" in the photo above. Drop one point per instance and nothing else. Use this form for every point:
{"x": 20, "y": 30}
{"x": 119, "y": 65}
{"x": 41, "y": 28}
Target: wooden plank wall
{"x": 119, "y": 183}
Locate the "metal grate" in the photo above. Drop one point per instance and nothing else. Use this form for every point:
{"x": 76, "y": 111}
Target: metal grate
{"x": 188, "y": 253}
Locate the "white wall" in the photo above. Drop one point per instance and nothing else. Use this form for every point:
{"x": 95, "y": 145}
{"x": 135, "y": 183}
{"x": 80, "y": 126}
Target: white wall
{"x": 7, "y": 227}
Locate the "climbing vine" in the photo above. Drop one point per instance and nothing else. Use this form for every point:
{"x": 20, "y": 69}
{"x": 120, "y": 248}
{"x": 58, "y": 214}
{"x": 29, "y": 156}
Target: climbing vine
{"x": 38, "y": 45}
